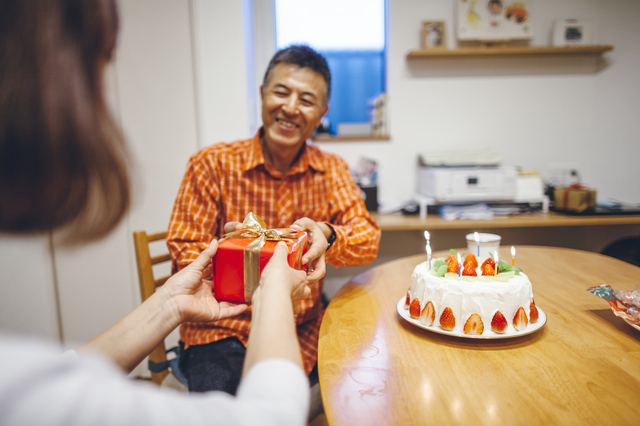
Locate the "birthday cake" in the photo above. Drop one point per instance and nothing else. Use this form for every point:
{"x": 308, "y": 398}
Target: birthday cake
{"x": 470, "y": 298}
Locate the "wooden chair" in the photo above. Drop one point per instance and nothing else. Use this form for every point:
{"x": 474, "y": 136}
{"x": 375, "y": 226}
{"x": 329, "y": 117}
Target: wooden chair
{"x": 148, "y": 285}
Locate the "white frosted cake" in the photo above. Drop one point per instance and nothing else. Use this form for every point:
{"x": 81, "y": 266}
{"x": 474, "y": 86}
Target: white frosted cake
{"x": 471, "y": 304}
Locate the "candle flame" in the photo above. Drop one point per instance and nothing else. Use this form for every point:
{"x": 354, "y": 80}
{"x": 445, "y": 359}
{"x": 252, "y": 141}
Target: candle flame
{"x": 427, "y": 236}
{"x": 495, "y": 257}
{"x": 476, "y": 237}
{"x": 513, "y": 251}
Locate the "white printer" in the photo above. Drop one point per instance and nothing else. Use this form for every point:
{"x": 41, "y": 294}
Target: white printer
{"x": 445, "y": 184}
{"x": 469, "y": 176}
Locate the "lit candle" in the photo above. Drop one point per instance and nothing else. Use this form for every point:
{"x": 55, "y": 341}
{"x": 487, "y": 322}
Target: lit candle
{"x": 513, "y": 256}
{"x": 477, "y": 238}
{"x": 459, "y": 265}
{"x": 429, "y": 255}
{"x": 495, "y": 257}
{"x": 427, "y": 237}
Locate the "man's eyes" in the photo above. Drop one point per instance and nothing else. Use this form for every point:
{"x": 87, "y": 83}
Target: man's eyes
{"x": 282, "y": 94}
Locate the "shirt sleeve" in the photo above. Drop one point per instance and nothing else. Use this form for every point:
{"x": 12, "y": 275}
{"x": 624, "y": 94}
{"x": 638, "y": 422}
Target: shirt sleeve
{"x": 42, "y": 387}
{"x": 357, "y": 234}
{"x": 195, "y": 216}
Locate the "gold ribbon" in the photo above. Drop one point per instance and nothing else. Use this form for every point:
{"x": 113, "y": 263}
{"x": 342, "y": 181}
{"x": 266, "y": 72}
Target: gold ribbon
{"x": 254, "y": 227}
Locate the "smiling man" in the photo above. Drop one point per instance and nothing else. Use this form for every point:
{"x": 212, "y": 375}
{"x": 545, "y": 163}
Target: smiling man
{"x": 289, "y": 182}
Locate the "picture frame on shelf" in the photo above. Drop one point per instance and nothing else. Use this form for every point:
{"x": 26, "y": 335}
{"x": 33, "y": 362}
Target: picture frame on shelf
{"x": 572, "y": 32}
{"x": 493, "y": 20}
{"x": 434, "y": 35}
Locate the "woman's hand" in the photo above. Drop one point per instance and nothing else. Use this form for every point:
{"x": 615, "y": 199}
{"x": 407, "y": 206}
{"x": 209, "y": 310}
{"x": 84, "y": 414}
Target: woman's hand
{"x": 193, "y": 296}
{"x": 314, "y": 257}
{"x": 273, "y": 328}
{"x": 279, "y": 276}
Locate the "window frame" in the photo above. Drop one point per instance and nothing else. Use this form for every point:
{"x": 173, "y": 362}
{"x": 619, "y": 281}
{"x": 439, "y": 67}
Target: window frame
{"x": 264, "y": 44}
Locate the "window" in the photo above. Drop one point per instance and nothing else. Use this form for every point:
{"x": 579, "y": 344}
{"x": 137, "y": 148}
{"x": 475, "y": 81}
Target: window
{"x": 350, "y": 34}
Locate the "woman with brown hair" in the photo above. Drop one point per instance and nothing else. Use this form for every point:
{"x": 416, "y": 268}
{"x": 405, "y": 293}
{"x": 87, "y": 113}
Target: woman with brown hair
{"x": 63, "y": 167}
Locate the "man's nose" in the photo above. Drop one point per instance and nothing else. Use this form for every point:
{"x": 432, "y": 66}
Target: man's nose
{"x": 290, "y": 105}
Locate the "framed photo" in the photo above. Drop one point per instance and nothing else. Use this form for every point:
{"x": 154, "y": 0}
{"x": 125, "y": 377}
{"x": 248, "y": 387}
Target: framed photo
{"x": 434, "y": 35}
{"x": 493, "y": 20}
{"x": 572, "y": 32}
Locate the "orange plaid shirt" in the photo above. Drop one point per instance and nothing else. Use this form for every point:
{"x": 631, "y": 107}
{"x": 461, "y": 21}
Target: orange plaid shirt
{"x": 226, "y": 181}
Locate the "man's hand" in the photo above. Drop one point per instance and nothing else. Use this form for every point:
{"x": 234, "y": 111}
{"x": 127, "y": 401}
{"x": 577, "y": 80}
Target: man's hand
{"x": 232, "y": 226}
{"x": 193, "y": 295}
{"x": 314, "y": 257}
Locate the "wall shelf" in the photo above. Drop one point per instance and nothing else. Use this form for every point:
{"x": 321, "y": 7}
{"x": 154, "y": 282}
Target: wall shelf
{"x": 471, "y": 52}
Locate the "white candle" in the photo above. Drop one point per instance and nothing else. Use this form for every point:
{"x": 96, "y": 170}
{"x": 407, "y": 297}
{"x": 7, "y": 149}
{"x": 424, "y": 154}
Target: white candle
{"x": 459, "y": 265}
{"x": 429, "y": 255}
{"x": 477, "y": 238}
{"x": 495, "y": 257}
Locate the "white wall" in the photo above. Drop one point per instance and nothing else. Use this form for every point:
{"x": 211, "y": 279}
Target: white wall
{"x": 27, "y": 288}
{"x": 221, "y": 72}
{"x": 534, "y": 111}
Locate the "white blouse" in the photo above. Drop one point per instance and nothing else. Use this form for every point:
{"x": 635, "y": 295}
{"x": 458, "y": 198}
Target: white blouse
{"x": 39, "y": 386}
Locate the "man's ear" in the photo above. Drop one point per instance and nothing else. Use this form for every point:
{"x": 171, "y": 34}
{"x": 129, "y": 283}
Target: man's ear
{"x": 326, "y": 108}
{"x": 262, "y": 92}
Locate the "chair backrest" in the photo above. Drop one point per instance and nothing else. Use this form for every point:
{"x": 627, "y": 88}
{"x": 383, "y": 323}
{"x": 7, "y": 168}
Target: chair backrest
{"x": 148, "y": 285}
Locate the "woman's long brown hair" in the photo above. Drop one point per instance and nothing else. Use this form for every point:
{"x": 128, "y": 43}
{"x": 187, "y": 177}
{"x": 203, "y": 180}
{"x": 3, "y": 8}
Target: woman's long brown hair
{"x": 62, "y": 157}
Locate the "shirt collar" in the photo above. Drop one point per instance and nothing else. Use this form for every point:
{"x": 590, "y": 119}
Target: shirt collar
{"x": 309, "y": 158}
{"x": 255, "y": 157}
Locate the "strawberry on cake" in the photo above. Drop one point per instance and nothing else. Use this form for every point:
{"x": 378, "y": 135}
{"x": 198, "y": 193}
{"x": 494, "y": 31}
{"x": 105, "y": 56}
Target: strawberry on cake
{"x": 482, "y": 300}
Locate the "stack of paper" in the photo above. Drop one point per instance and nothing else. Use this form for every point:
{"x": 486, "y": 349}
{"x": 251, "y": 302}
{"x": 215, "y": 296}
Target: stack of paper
{"x": 475, "y": 212}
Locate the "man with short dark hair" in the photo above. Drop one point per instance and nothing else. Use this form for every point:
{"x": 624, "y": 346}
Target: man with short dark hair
{"x": 287, "y": 181}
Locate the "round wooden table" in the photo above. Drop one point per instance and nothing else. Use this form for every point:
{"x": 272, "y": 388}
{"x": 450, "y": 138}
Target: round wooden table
{"x": 582, "y": 367}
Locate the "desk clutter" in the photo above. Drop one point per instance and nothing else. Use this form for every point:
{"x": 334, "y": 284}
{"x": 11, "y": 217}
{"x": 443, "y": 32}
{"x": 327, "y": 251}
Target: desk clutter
{"x": 366, "y": 177}
{"x": 475, "y": 185}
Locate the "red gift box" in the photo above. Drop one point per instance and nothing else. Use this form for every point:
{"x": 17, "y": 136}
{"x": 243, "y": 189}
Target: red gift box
{"x": 243, "y": 254}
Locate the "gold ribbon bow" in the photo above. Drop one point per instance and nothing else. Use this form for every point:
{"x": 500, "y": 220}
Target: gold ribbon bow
{"x": 254, "y": 227}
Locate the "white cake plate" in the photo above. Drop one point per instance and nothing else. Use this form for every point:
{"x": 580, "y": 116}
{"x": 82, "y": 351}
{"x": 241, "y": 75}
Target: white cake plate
{"x": 488, "y": 333}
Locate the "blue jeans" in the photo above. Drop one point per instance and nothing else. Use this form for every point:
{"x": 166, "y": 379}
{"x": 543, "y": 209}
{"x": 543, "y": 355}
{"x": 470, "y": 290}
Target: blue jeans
{"x": 218, "y": 366}
{"x": 214, "y": 366}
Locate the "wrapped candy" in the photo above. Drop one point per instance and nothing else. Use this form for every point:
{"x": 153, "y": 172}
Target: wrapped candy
{"x": 624, "y": 303}
{"x": 628, "y": 297}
